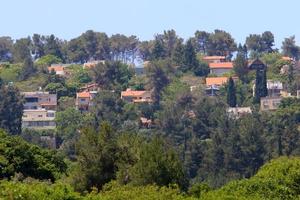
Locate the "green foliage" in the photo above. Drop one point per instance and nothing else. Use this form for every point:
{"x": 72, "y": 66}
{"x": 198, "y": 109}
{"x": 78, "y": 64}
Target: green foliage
{"x": 45, "y": 61}
{"x": 278, "y": 179}
{"x": 97, "y": 155}
{"x": 10, "y": 72}
{"x": 158, "y": 164}
{"x": 35, "y": 190}
{"x": 18, "y": 156}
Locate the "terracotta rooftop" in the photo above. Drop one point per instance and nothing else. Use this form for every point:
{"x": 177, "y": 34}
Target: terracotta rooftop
{"x": 286, "y": 58}
{"x": 56, "y": 68}
{"x": 227, "y": 65}
{"x": 215, "y": 81}
{"x": 131, "y": 93}
{"x": 83, "y": 95}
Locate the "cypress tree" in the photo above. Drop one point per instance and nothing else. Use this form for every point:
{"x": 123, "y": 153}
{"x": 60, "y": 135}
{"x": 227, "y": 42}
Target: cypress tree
{"x": 261, "y": 89}
{"x": 231, "y": 93}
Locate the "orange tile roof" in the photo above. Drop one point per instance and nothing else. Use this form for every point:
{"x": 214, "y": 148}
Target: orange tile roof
{"x": 56, "y": 68}
{"x": 287, "y": 58}
{"x": 83, "y": 95}
{"x": 213, "y": 57}
{"x": 215, "y": 81}
{"x": 222, "y": 65}
{"x": 132, "y": 93}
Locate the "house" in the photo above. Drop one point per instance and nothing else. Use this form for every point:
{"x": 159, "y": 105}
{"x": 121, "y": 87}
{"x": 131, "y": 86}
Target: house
{"x": 136, "y": 96}
{"x": 58, "y": 69}
{"x": 38, "y": 100}
{"x": 275, "y": 88}
{"x": 269, "y": 103}
{"x": 84, "y": 100}
{"x": 256, "y": 65}
{"x": 237, "y": 112}
{"x": 92, "y": 64}
{"x": 213, "y": 84}
{"x": 213, "y": 59}
{"x": 38, "y": 119}
{"x": 220, "y": 68}
{"x": 90, "y": 87}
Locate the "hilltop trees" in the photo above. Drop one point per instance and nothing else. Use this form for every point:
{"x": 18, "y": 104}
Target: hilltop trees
{"x": 290, "y": 48}
{"x": 258, "y": 44}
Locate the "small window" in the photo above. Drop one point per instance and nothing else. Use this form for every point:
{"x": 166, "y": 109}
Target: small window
{"x": 40, "y": 115}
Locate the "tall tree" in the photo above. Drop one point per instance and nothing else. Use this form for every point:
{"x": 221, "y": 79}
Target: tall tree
{"x": 27, "y": 69}
{"x": 240, "y": 65}
{"x": 190, "y": 61}
{"x": 159, "y": 51}
{"x": 157, "y": 79}
{"x": 221, "y": 44}
{"x": 231, "y": 93}
{"x": 261, "y": 89}
{"x": 201, "y": 41}
{"x": 21, "y": 50}
{"x": 11, "y": 109}
{"x": 38, "y": 46}
{"x": 97, "y": 155}
{"x": 53, "y": 46}
{"x": 158, "y": 164}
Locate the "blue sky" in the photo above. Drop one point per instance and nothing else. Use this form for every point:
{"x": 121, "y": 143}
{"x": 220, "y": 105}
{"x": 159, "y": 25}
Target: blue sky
{"x": 144, "y": 18}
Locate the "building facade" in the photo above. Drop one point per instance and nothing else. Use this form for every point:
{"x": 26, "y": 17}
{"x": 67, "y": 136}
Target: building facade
{"x": 38, "y": 119}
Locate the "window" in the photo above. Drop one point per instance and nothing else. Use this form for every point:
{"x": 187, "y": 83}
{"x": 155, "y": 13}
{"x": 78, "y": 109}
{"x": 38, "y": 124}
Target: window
{"x": 50, "y": 114}
{"x": 40, "y": 115}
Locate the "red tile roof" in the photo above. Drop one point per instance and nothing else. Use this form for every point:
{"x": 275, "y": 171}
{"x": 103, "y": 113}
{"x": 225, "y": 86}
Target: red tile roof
{"x": 56, "y": 68}
{"x": 222, "y": 65}
{"x": 83, "y": 95}
{"x": 132, "y": 93}
{"x": 216, "y": 81}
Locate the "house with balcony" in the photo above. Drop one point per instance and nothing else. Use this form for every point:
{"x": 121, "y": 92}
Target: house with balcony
{"x": 275, "y": 88}
{"x": 39, "y": 99}
{"x": 213, "y": 84}
{"x": 136, "y": 96}
{"x": 84, "y": 100}
{"x": 38, "y": 119}
{"x": 220, "y": 68}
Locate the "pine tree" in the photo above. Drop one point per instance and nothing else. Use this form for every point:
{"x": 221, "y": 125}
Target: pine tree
{"x": 158, "y": 51}
{"x": 189, "y": 57}
{"x": 231, "y": 93}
